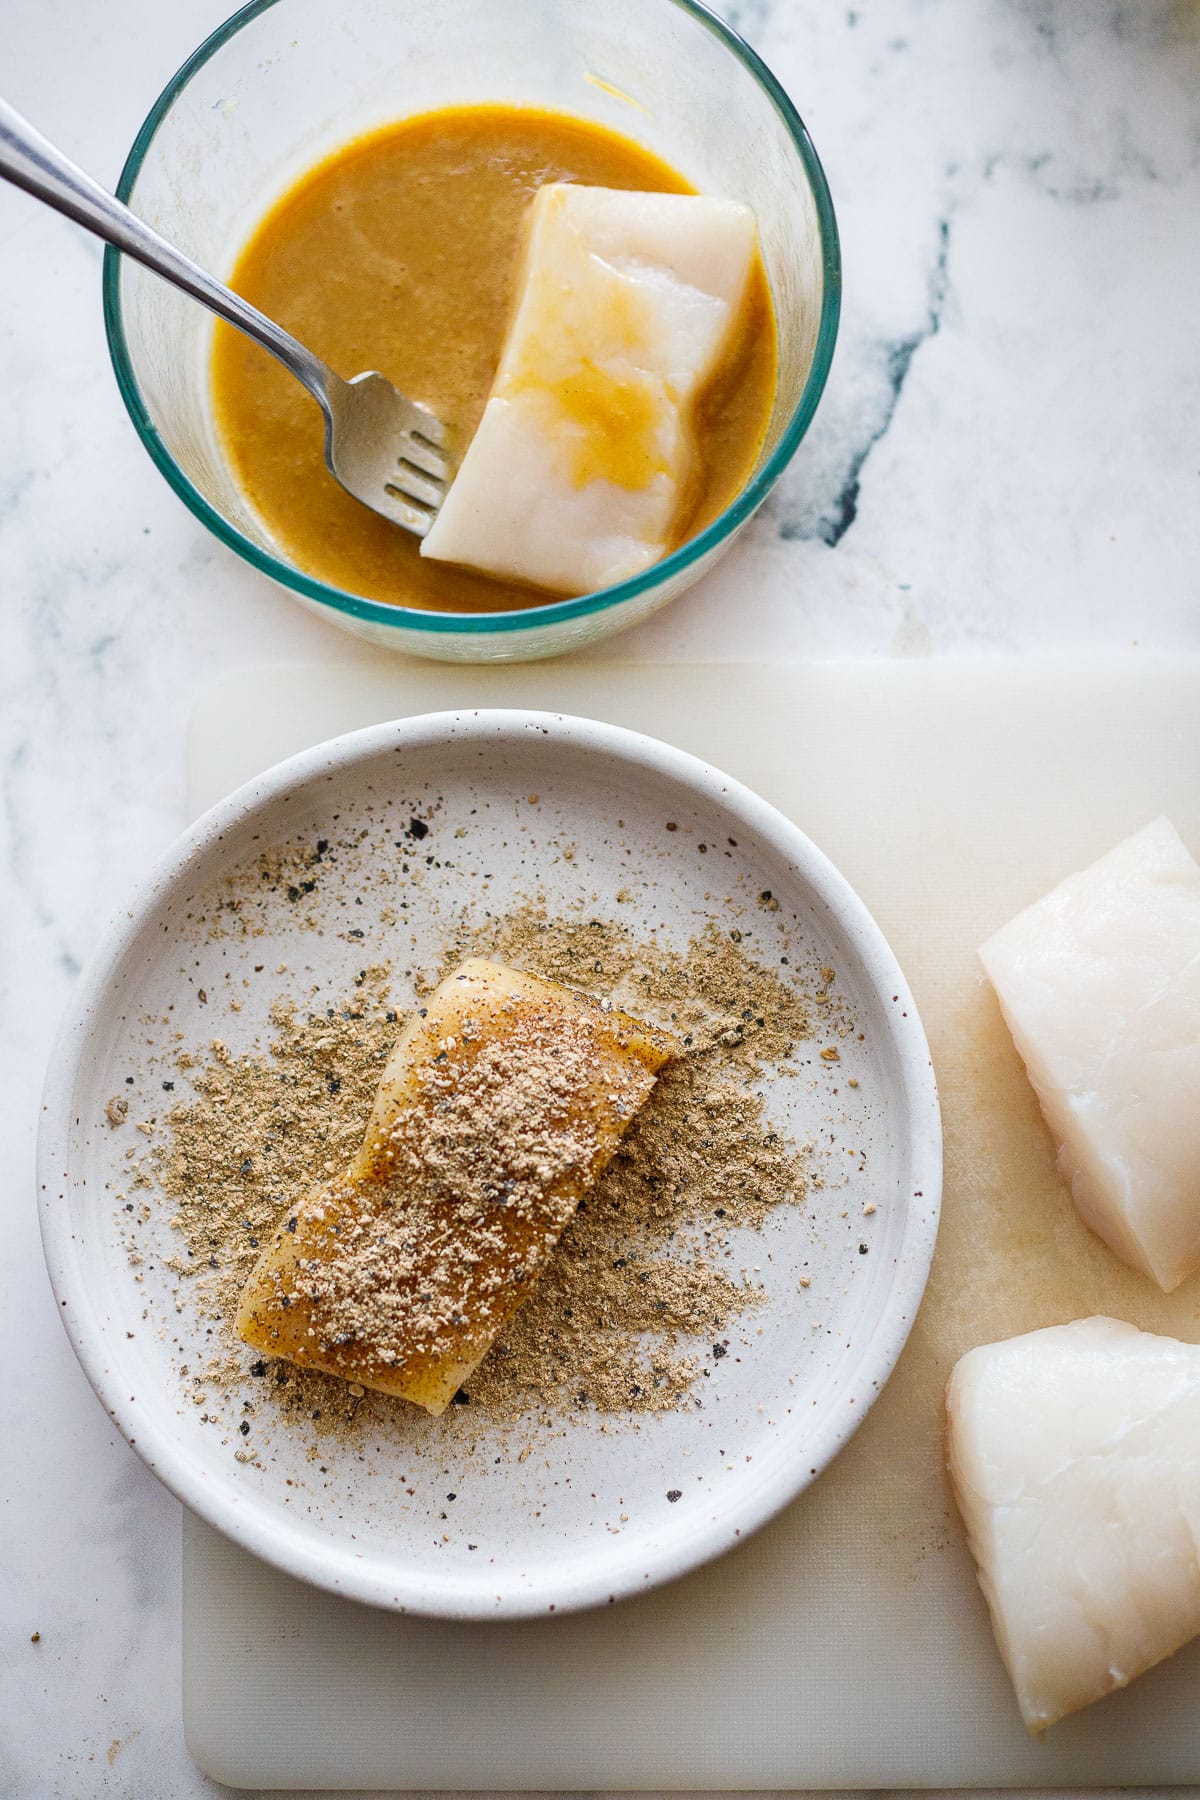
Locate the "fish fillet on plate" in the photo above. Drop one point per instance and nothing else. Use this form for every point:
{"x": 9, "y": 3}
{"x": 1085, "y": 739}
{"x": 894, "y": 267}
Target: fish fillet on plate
{"x": 584, "y": 456}
{"x": 503, "y": 1100}
{"x": 1075, "y": 1458}
{"x": 1099, "y": 983}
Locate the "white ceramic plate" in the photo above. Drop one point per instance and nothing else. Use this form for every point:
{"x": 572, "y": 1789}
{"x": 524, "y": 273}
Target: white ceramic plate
{"x": 584, "y": 1517}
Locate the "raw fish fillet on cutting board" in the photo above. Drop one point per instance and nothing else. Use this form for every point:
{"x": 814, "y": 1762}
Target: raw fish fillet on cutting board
{"x": 1075, "y": 1456}
{"x": 1099, "y": 982}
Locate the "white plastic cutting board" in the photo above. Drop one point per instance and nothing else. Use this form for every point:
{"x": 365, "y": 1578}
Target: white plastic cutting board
{"x": 846, "y": 1645}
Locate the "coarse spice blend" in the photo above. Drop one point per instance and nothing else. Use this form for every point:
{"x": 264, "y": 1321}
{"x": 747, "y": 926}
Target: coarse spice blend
{"x": 635, "y": 1303}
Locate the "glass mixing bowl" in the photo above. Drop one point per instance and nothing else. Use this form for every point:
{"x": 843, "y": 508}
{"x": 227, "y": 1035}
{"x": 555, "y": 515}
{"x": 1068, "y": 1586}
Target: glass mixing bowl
{"x": 285, "y": 82}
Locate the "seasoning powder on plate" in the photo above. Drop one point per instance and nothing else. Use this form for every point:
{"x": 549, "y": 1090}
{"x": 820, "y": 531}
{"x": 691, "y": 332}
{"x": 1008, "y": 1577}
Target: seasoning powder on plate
{"x": 637, "y": 1300}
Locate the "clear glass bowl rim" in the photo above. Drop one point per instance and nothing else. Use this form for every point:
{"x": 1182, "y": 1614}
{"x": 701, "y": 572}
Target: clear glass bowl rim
{"x": 552, "y": 612}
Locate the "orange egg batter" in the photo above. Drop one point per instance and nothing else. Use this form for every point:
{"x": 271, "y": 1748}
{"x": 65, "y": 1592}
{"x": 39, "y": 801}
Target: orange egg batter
{"x": 400, "y": 253}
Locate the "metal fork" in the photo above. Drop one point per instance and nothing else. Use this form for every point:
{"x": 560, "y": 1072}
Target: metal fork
{"x": 386, "y": 450}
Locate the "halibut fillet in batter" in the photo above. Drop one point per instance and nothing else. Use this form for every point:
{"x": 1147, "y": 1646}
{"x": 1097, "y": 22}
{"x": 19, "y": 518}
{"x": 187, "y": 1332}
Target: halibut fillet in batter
{"x": 584, "y": 457}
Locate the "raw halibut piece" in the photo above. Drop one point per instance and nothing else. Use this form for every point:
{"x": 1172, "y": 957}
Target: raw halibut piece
{"x": 1075, "y": 1457}
{"x": 576, "y": 473}
{"x": 1099, "y": 984}
{"x": 503, "y": 1099}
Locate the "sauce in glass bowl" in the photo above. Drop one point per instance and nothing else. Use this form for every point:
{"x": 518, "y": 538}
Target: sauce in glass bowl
{"x": 400, "y": 252}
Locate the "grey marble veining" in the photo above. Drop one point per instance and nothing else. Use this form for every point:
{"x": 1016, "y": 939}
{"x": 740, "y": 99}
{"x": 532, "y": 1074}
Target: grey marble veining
{"x": 1007, "y": 459}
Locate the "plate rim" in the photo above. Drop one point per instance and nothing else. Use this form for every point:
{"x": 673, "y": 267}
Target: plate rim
{"x": 333, "y": 1567}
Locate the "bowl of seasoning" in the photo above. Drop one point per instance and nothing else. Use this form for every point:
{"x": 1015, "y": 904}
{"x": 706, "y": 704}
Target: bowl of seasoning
{"x": 367, "y": 181}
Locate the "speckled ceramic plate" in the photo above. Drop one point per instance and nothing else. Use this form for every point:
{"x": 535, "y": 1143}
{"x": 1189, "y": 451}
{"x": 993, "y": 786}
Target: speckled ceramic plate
{"x": 544, "y": 1517}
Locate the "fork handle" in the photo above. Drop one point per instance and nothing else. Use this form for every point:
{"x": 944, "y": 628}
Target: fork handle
{"x": 30, "y": 161}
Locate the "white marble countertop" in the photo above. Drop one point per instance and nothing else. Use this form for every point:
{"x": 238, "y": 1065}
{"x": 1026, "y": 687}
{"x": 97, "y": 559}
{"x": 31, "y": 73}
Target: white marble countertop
{"x": 1007, "y": 460}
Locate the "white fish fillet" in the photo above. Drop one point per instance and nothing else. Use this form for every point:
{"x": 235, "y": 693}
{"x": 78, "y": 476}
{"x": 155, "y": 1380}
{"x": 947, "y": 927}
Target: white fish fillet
{"x": 1075, "y": 1457}
{"x": 1099, "y": 983}
{"x": 574, "y": 478}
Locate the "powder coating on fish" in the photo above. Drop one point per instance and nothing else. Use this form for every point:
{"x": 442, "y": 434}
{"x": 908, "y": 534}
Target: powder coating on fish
{"x": 1099, "y": 983}
{"x": 1075, "y": 1458}
{"x": 585, "y": 453}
